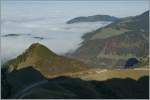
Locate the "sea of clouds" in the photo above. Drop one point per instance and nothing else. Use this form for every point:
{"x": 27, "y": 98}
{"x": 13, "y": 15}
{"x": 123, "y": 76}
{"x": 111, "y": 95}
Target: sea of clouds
{"x": 52, "y": 32}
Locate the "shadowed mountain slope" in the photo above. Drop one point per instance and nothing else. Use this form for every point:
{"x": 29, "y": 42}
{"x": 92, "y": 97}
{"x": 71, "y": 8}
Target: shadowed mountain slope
{"x": 66, "y": 87}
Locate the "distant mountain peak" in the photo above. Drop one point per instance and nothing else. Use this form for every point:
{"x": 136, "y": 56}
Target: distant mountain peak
{"x": 37, "y": 46}
{"x": 39, "y": 49}
{"x": 93, "y": 18}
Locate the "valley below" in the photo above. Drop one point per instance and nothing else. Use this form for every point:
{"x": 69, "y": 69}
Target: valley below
{"x": 105, "y": 74}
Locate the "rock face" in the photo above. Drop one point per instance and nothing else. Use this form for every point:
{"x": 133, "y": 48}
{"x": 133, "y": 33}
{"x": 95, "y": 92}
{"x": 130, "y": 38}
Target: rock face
{"x": 94, "y": 18}
{"x": 28, "y": 83}
{"x": 114, "y": 44}
{"x": 46, "y": 61}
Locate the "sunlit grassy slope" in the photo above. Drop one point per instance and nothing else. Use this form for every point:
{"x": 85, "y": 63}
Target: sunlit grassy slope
{"x": 104, "y": 74}
{"x": 108, "y": 32}
{"x": 42, "y": 59}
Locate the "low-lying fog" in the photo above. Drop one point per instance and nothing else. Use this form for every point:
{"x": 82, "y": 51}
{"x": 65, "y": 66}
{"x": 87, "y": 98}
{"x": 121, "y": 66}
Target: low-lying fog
{"x": 27, "y": 22}
{"x": 60, "y": 38}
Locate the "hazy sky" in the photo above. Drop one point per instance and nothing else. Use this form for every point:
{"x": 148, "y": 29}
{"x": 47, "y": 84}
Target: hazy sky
{"x": 75, "y": 8}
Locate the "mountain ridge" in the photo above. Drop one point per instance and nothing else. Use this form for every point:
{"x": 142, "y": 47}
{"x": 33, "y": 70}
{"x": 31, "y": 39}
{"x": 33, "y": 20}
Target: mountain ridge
{"x": 93, "y": 18}
{"x": 45, "y": 61}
